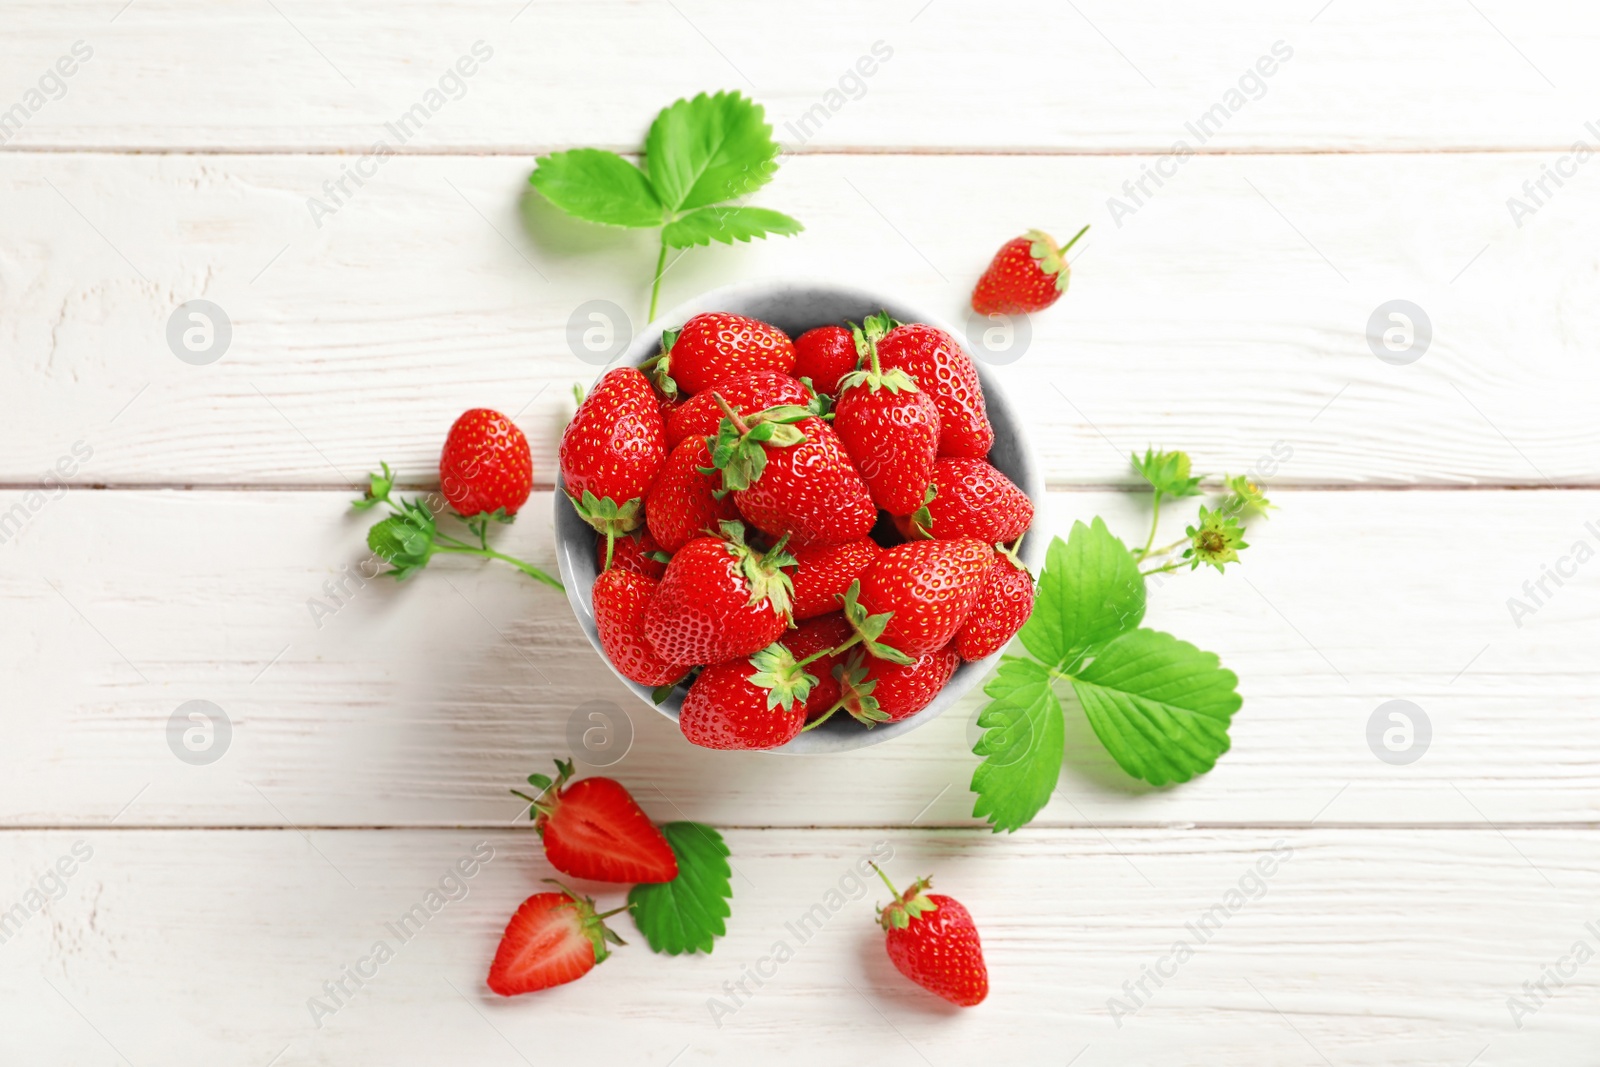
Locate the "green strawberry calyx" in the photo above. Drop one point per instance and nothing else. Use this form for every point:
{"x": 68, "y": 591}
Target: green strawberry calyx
{"x": 658, "y": 368}
{"x": 1051, "y": 258}
{"x": 868, "y": 628}
{"x": 543, "y": 804}
{"x": 608, "y": 517}
{"x": 739, "y": 450}
{"x": 593, "y": 925}
{"x": 868, "y": 371}
{"x": 912, "y": 904}
{"x": 762, "y": 570}
{"x": 787, "y": 683}
{"x": 921, "y": 520}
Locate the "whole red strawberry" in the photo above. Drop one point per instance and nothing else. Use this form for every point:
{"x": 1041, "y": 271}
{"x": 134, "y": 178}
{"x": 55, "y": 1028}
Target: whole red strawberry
{"x": 552, "y": 939}
{"x": 759, "y": 702}
{"x": 701, "y": 415}
{"x": 825, "y": 355}
{"x": 718, "y": 345}
{"x": 821, "y": 634}
{"x": 1002, "y": 608}
{"x": 791, "y": 477}
{"x": 682, "y": 504}
{"x": 620, "y": 599}
{"x": 933, "y": 941}
{"x": 719, "y": 599}
{"x": 611, "y": 452}
{"x": 937, "y": 363}
{"x": 890, "y": 428}
{"x": 876, "y": 690}
{"x": 637, "y": 552}
{"x": 485, "y": 466}
{"x": 592, "y": 828}
{"x": 1029, "y": 273}
{"x": 970, "y": 499}
{"x": 914, "y": 598}
{"x": 822, "y": 573}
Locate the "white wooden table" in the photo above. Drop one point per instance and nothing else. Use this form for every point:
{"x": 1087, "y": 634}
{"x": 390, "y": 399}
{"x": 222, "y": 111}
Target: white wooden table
{"x": 371, "y": 746}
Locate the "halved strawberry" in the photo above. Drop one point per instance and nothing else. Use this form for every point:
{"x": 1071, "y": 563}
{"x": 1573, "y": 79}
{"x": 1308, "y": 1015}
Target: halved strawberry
{"x": 552, "y": 939}
{"x": 746, "y": 393}
{"x": 621, "y": 598}
{"x": 594, "y": 829}
{"x": 753, "y": 703}
{"x": 937, "y": 362}
{"x": 683, "y": 503}
{"x": 969, "y": 498}
{"x": 823, "y": 572}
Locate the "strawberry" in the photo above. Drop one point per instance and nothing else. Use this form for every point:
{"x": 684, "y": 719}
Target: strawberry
{"x": 637, "y": 552}
{"x": 937, "y": 364}
{"x": 620, "y": 600}
{"x": 552, "y": 939}
{"x": 682, "y": 504}
{"x": 875, "y": 690}
{"x": 759, "y": 702}
{"x": 932, "y": 941}
{"x": 485, "y": 466}
{"x": 821, "y": 634}
{"x": 718, "y": 345}
{"x": 890, "y": 428}
{"x": 719, "y": 599}
{"x": 1002, "y": 607}
{"x": 825, "y": 355}
{"x": 611, "y": 452}
{"x": 914, "y": 598}
{"x": 823, "y": 573}
{"x": 791, "y": 476}
{"x": 1029, "y": 273}
{"x": 593, "y": 829}
{"x": 969, "y": 498}
{"x": 701, "y": 415}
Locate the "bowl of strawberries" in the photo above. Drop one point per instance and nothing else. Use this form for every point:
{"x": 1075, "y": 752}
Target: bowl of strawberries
{"x": 793, "y": 517}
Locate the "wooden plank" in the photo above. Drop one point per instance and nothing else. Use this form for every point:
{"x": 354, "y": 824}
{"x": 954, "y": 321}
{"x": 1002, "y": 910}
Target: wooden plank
{"x": 422, "y": 704}
{"x": 293, "y": 74}
{"x": 1226, "y": 316}
{"x": 1308, "y": 946}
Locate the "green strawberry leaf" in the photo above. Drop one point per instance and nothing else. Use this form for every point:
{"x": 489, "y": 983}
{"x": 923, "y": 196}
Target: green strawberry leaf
{"x": 686, "y": 914}
{"x": 707, "y": 150}
{"x": 1090, "y": 592}
{"x": 727, "y": 224}
{"x": 599, "y": 186}
{"x": 1160, "y": 705}
{"x": 1022, "y": 745}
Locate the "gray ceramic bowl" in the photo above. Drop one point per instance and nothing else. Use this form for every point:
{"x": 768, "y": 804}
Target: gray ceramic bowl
{"x": 796, "y": 307}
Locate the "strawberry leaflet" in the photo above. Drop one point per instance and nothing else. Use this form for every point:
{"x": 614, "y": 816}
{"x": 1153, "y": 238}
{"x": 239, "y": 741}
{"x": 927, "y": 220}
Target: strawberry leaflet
{"x": 687, "y": 914}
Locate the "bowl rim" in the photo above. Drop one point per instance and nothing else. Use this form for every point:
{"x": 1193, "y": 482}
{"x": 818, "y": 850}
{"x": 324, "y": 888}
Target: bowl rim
{"x": 646, "y": 342}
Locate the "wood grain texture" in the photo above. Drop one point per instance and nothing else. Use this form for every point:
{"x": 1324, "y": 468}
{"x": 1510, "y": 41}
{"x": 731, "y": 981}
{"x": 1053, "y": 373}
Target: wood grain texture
{"x": 422, "y": 704}
{"x": 1356, "y": 947}
{"x": 294, "y": 74}
{"x": 1227, "y": 315}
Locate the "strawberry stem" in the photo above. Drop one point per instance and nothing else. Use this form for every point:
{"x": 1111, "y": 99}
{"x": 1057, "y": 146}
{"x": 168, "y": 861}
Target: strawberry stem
{"x": 886, "y": 881}
{"x": 614, "y": 911}
{"x": 488, "y": 553}
{"x": 661, "y": 264}
{"x": 824, "y": 717}
{"x": 1074, "y": 240}
{"x": 738, "y": 423}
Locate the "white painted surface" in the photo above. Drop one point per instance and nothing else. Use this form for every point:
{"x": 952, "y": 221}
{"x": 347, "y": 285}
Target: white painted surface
{"x": 1226, "y": 315}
